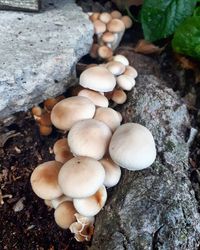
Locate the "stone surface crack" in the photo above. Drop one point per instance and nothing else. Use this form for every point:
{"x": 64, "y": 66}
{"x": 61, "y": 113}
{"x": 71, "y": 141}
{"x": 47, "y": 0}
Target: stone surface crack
{"x": 155, "y": 238}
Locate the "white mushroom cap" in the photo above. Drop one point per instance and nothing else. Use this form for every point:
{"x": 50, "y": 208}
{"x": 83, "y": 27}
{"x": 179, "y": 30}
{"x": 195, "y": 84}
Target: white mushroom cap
{"x": 99, "y": 27}
{"x": 115, "y": 26}
{"x": 89, "y": 138}
{"x": 105, "y": 17}
{"x": 56, "y": 202}
{"x": 70, "y": 110}
{"x": 98, "y": 78}
{"x": 44, "y": 180}
{"x": 65, "y": 214}
{"x": 95, "y": 97}
{"x": 127, "y": 21}
{"x": 92, "y": 205}
{"x": 113, "y": 172}
{"x": 109, "y": 116}
{"x": 116, "y": 68}
{"x": 125, "y": 82}
{"x": 122, "y": 59}
{"x": 119, "y": 96}
{"x": 81, "y": 177}
{"x": 105, "y": 52}
{"x": 116, "y": 14}
{"x": 132, "y": 146}
{"x": 130, "y": 71}
{"x": 94, "y": 16}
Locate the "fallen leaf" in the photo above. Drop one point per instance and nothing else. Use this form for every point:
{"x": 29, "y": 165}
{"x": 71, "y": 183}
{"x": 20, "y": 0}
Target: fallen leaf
{"x": 146, "y": 47}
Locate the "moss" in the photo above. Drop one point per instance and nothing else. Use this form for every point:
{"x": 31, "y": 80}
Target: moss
{"x": 170, "y": 146}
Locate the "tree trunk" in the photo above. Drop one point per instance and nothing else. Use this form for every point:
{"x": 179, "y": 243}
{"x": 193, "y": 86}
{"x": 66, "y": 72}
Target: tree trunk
{"x": 28, "y": 5}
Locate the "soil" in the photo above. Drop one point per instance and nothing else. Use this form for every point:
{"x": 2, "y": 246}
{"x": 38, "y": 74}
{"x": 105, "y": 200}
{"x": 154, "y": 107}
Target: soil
{"x": 26, "y": 222}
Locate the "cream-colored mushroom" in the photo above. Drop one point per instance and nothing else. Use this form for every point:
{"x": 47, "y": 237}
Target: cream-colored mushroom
{"x": 70, "y": 110}
{"x": 65, "y": 214}
{"x": 97, "y": 98}
{"x": 81, "y": 177}
{"x": 122, "y": 59}
{"x": 132, "y": 146}
{"x": 116, "y": 68}
{"x": 119, "y": 96}
{"x": 109, "y": 116}
{"x": 89, "y": 138}
{"x": 125, "y": 82}
{"x": 92, "y": 205}
{"x": 44, "y": 180}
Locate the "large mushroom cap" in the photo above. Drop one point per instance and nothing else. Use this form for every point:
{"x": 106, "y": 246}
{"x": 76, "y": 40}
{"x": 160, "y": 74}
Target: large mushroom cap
{"x": 98, "y": 78}
{"x": 81, "y": 177}
{"x": 44, "y": 180}
{"x": 70, "y": 110}
{"x": 132, "y": 146}
{"x": 89, "y": 138}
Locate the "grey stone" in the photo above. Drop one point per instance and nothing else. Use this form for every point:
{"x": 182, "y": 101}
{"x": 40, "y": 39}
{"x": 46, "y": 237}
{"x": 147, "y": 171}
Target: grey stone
{"x": 154, "y": 208}
{"x": 30, "y": 5}
{"x": 39, "y": 52}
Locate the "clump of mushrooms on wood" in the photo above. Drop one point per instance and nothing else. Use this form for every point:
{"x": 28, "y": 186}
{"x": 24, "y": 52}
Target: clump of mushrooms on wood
{"x": 89, "y": 159}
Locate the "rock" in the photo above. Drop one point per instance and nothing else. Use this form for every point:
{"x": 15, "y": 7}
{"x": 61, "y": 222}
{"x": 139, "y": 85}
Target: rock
{"x": 154, "y": 208}
{"x": 39, "y": 53}
{"x": 29, "y": 5}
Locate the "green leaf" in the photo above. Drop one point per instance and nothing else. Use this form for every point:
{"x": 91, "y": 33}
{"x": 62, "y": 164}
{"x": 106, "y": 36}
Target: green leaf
{"x": 197, "y": 11}
{"x": 187, "y": 37}
{"x": 161, "y": 17}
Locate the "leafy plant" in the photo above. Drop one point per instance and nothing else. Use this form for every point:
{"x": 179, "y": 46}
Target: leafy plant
{"x": 186, "y": 39}
{"x": 160, "y": 18}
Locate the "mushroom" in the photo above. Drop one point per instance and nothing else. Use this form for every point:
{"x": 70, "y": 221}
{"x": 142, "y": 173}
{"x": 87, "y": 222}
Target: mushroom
{"x": 99, "y": 28}
{"x": 91, "y": 206}
{"x": 62, "y": 151}
{"x": 97, "y": 98}
{"x": 130, "y": 71}
{"x": 116, "y": 26}
{"x": 45, "y": 130}
{"x": 116, "y": 14}
{"x": 97, "y": 78}
{"x": 44, "y": 180}
{"x": 65, "y": 214}
{"x": 105, "y": 17}
{"x": 122, "y": 59}
{"x": 56, "y": 202}
{"x": 116, "y": 68}
{"x": 70, "y": 110}
{"x": 132, "y": 146}
{"x": 105, "y": 52}
{"x": 81, "y": 177}
{"x": 83, "y": 228}
{"x": 94, "y": 16}
{"x": 119, "y": 96}
{"x": 127, "y": 21}
{"x": 89, "y": 138}
{"x": 109, "y": 116}
{"x": 113, "y": 172}
{"x": 125, "y": 82}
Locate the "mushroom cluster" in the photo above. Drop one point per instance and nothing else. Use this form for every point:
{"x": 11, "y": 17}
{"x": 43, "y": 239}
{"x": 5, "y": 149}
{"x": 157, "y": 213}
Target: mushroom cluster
{"x": 88, "y": 159}
{"x": 42, "y": 115}
{"x": 108, "y": 32}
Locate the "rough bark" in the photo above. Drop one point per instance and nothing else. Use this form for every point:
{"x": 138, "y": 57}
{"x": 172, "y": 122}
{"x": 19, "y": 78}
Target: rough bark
{"x": 154, "y": 208}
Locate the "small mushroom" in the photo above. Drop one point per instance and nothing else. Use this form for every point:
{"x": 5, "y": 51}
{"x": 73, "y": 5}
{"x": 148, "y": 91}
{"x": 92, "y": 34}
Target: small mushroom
{"x": 65, "y": 214}
{"x": 97, "y": 78}
{"x": 105, "y": 17}
{"x": 130, "y": 71}
{"x": 127, "y": 21}
{"x": 44, "y": 180}
{"x": 70, "y": 110}
{"x": 116, "y": 14}
{"x": 62, "y": 151}
{"x": 116, "y": 68}
{"x": 89, "y": 138}
{"x": 94, "y": 16}
{"x": 56, "y": 202}
{"x": 105, "y": 52}
{"x": 122, "y": 59}
{"x": 99, "y": 28}
{"x": 45, "y": 130}
{"x": 125, "y": 82}
{"x": 92, "y": 205}
{"x": 95, "y": 97}
{"x": 132, "y": 147}
{"x": 113, "y": 172}
{"x": 81, "y": 177}
{"x": 119, "y": 96}
{"x": 109, "y": 116}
